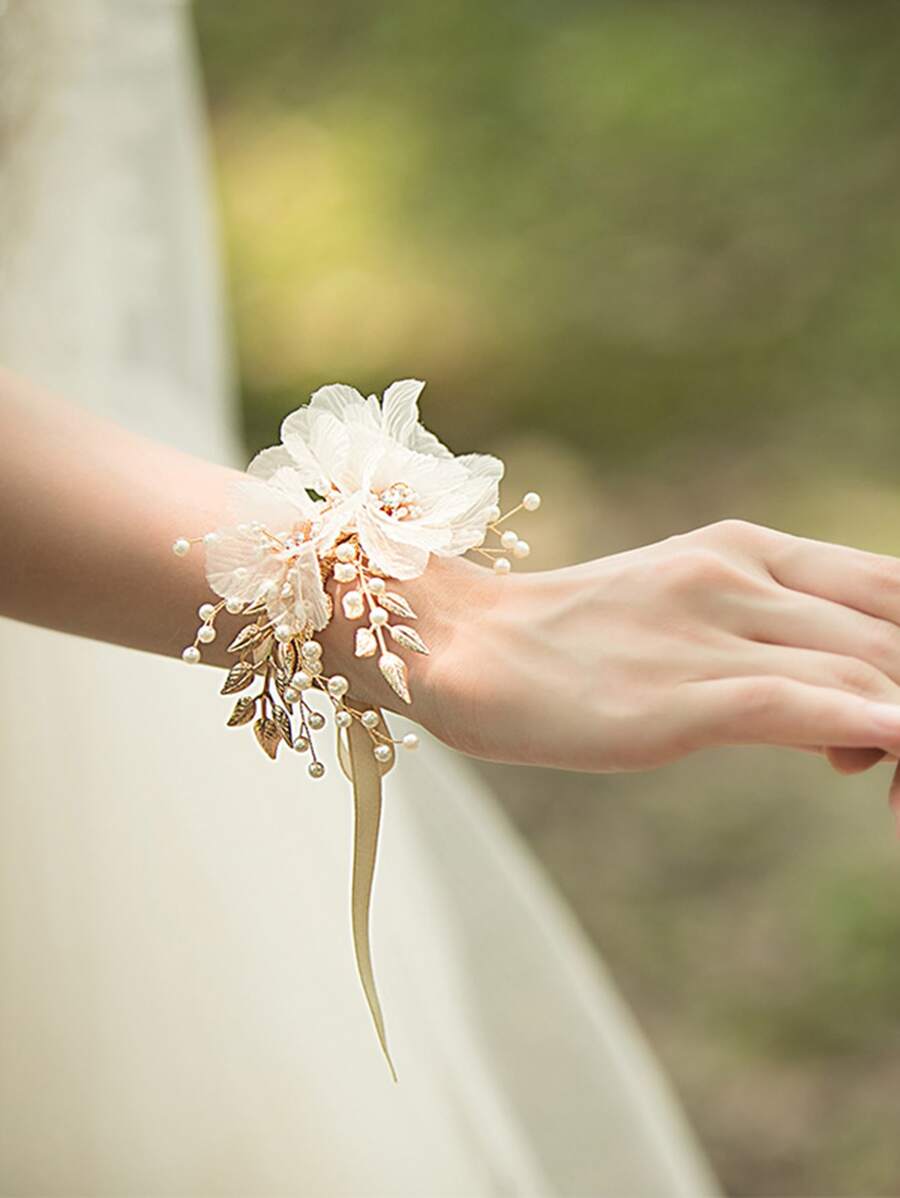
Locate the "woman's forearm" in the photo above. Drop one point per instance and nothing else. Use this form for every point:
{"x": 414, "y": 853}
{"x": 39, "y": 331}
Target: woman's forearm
{"x": 88, "y": 514}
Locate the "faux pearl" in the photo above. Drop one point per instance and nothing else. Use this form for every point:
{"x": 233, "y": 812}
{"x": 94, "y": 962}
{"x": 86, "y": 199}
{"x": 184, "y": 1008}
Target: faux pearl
{"x": 286, "y": 591}
{"x": 315, "y": 769}
{"x": 291, "y": 695}
{"x": 521, "y": 549}
{"x": 210, "y": 538}
{"x": 206, "y": 611}
{"x": 233, "y": 606}
{"x": 345, "y": 552}
{"x": 301, "y": 744}
{"x": 338, "y": 686}
{"x": 378, "y": 616}
{"x": 343, "y": 719}
{"x": 301, "y": 680}
{"x": 311, "y": 650}
{"x": 382, "y": 753}
{"x": 531, "y": 501}
{"x": 344, "y": 572}
{"x": 206, "y": 634}
{"x": 493, "y": 513}
{"x": 191, "y": 655}
{"x": 502, "y": 565}
{"x": 283, "y": 633}
{"x": 369, "y": 719}
{"x": 509, "y": 538}
{"x": 377, "y": 585}
{"x": 316, "y": 721}
{"x": 410, "y": 741}
{"x": 181, "y": 547}
{"x": 353, "y": 605}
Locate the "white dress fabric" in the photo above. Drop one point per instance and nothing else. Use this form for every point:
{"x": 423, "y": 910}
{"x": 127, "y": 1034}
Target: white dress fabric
{"x": 179, "y": 1009}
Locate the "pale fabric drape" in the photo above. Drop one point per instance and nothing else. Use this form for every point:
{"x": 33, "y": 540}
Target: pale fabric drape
{"x": 179, "y": 1008}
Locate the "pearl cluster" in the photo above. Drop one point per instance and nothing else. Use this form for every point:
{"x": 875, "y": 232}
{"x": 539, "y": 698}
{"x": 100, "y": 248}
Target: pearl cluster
{"x": 364, "y": 594}
{"x": 399, "y": 500}
{"x": 290, "y": 669}
{"x": 510, "y": 541}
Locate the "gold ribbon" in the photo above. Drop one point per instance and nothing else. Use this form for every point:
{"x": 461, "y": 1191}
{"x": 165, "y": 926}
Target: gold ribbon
{"x": 359, "y": 764}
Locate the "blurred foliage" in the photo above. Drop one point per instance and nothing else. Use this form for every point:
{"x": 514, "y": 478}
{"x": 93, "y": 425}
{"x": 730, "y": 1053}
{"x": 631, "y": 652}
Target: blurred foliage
{"x": 632, "y": 226}
{"x": 649, "y": 252}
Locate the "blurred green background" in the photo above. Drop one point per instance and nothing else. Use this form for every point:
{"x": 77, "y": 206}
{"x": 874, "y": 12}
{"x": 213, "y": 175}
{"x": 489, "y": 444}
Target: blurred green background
{"x": 650, "y": 254}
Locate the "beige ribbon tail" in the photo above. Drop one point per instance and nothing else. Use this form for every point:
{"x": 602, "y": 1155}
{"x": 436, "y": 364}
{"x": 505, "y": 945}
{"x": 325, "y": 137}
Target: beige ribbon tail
{"x": 359, "y": 764}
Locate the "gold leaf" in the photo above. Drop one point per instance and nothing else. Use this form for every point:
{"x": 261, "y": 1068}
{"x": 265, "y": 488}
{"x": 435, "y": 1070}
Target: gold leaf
{"x": 259, "y": 653}
{"x": 394, "y": 670}
{"x": 268, "y": 736}
{"x": 397, "y": 604}
{"x": 281, "y": 683}
{"x": 243, "y": 711}
{"x": 238, "y": 678}
{"x": 248, "y": 635}
{"x": 282, "y": 722}
{"x": 408, "y": 638}
{"x": 366, "y": 643}
{"x": 288, "y": 658}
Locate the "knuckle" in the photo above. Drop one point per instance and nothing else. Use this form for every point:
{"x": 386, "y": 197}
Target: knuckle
{"x": 732, "y": 530}
{"x": 883, "y": 641}
{"x": 759, "y": 697}
{"x": 884, "y": 573}
{"x": 697, "y": 569}
{"x": 859, "y": 677}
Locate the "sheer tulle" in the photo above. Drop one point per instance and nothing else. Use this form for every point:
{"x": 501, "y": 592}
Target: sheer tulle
{"x": 179, "y": 1010}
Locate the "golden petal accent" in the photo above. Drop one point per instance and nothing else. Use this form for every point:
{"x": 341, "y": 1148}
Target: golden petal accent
{"x": 242, "y": 712}
{"x": 394, "y": 670}
{"x": 238, "y": 678}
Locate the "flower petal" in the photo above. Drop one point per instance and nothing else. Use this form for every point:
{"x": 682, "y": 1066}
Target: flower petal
{"x": 234, "y": 568}
{"x": 317, "y": 604}
{"x": 386, "y": 554}
{"x": 267, "y": 461}
{"x": 329, "y": 443}
{"x": 295, "y": 435}
{"x": 343, "y": 402}
{"x": 277, "y": 503}
{"x": 422, "y": 441}
{"x": 400, "y": 409}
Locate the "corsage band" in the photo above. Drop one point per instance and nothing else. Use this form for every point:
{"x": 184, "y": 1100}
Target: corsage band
{"x": 355, "y": 500}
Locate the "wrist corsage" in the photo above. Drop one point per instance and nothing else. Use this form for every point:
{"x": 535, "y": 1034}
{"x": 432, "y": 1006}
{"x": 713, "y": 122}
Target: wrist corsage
{"x": 326, "y": 525}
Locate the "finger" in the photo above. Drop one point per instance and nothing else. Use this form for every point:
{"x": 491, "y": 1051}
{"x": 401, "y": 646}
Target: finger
{"x": 868, "y": 582}
{"x": 775, "y": 710}
{"x": 853, "y": 761}
{"x": 811, "y": 666}
{"x": 804, "y": 621}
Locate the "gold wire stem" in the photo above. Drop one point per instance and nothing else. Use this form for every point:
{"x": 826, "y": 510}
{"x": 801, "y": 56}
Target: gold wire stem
{"x": 512, "y": 511}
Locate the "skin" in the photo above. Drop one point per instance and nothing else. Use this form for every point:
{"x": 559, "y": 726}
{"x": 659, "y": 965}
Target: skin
{"x": 728, "y": 634}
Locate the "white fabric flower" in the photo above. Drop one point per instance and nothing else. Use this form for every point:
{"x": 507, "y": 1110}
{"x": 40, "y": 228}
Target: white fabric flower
{"x": 383, "y": 475}
{"x": 270, "y": 554}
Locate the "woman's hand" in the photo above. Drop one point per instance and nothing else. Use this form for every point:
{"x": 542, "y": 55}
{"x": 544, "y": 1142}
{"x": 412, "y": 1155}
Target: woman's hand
{"x": 730, "y": 634}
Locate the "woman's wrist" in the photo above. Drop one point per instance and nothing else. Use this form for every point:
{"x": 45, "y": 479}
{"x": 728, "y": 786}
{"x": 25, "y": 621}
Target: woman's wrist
{"x": 456, "y": 605}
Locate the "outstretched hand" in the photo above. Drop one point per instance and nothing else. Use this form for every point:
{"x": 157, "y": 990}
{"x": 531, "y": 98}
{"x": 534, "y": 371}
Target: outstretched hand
{"x": 729, "y": 634}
